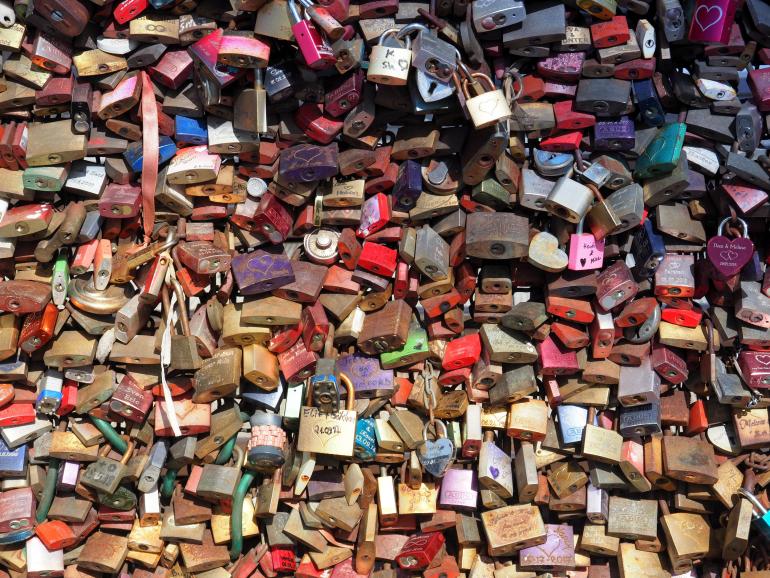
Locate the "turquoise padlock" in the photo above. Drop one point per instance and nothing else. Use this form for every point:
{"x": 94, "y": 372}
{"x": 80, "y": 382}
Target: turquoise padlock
{"x": 662, "y": 153}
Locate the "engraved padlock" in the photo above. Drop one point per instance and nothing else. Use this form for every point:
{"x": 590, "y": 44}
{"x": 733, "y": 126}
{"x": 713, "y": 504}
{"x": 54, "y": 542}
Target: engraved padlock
{"x": 105, "y": 474}
{"x": 389, "y": 62}
{"x": 485, "y": 104}
{"x": 328, "y": 433}
{"x": 586, "y": 252}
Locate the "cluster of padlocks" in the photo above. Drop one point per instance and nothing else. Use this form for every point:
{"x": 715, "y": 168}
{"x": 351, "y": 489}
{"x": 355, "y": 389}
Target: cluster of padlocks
{"x": 436, "y": 288}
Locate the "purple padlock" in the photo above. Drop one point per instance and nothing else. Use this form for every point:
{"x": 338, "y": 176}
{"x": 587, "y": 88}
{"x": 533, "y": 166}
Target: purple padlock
{"x": 308, "y": 162}
{"x": 260, "y": 272}
{"x": 614, "y": 135}
{"x": 369, "y": 379}
{"x": 68, "y": 475}
{"x": 408, "y": 186}
{"x": 459, "y": 490}
{"x": 711, "y": 21}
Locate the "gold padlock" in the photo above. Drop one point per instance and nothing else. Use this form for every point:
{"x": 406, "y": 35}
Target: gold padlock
{"x": 485, "y": 108}
{"x": 329, "y": 434}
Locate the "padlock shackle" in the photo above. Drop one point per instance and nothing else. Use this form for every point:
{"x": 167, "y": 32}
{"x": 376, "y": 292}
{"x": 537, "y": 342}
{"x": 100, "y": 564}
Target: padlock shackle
{"x": 409, "y": 28}
{"x": 754, "y": 500}
{"x": 386, "y": 33}
{"x": 350, "y": 402}
{"x": 595, "y": 190}
{"x": 723, "y": 222}
{"x": 128, "y": 453}
{"x": 181, "y": 305}
{"x": 484, "y": 78}
{"x": 294, "y": 12}
{"x": 425, "y": 429}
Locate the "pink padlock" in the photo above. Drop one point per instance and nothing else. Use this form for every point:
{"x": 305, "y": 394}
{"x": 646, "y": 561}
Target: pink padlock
{"x": 711, "y": 21}
{"x": 459, "y": 490}
{"x": 315, "y": 49}
{"x": 585, "y": 252}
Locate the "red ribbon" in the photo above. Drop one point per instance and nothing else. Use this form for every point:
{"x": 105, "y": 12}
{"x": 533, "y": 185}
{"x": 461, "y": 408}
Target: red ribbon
{"x": 150, "y": 147}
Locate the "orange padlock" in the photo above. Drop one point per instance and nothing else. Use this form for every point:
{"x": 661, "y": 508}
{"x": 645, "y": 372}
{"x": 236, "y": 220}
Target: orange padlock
{"x": 55, "y": 535}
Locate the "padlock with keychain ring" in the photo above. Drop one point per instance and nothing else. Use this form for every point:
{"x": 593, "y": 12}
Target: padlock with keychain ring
{"x": 436, "y": 456}
{"x": 513, "y": 88}
{"x": 487, "y": 105}
{"x": 390, "y": 61}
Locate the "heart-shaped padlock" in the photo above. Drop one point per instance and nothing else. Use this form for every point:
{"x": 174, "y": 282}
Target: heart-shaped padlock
{"x": 729, "y": 256}
{"x": 436, "y": 456}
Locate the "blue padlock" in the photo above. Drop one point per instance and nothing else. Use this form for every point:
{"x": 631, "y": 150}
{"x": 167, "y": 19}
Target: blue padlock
{"x": 133, "y": 153}
{"x": 365, "y": 443}
{"x": 190, "y": 131}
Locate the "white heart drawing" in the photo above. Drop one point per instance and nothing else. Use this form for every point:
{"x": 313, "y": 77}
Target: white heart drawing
{"x": 706, "y": 10}
{"x": 728, "y": 255}
{"x": 763, "y": 359}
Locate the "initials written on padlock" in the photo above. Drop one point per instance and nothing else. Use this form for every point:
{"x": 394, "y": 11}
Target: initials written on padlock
{"x": 328, "y": 433}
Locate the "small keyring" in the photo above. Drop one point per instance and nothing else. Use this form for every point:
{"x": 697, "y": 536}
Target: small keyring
{"x": 516, "y": 78}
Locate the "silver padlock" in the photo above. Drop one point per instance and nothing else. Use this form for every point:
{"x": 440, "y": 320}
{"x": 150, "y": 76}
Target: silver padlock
{"x": 534, "y": 190}
{"x": 435, "y": 57}
{"x": 569, "y": 200}
{"x": 628, "y": 204}
{"x": 552, "y": 164}
{"x": 491, "y": 15}
{"x": 432, "y": 89}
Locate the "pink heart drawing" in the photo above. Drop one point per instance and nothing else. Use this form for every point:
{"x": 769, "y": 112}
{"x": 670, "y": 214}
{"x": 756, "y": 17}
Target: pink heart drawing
{"x": 704, "y": 19}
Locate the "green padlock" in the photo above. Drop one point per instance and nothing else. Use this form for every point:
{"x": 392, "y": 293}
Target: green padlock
{"x": 662, "y": 153}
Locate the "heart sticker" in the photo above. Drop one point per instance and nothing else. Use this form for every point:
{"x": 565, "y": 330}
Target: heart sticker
{"x": 729, "y": 256}
{"x": 704, "y": 17}
{"x": 494, "y": 471}
{"x": 436, "y": 456}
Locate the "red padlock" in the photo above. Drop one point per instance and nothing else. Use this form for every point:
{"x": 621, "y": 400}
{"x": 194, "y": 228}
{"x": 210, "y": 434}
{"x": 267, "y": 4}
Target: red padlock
{"x": 378, "y": 259}
{"x": 284, "y": 559}
{"x": 17, "y": 414}
{"x": 315, "y": 326}
{"x": 418, "y": 551}
{"x": 55, "y": 534}
{"x": 284, "y": 337}
{"x": 682, "y": 317}
{"x": 462, "y": 352}
{"x": 567, "y": 118}
{"x": 375, "y": 214}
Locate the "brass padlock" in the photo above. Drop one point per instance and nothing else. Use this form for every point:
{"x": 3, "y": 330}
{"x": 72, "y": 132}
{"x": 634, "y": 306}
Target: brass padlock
{"x": 184, "y": 348}
{"x": 328, "y": 433}
{"x": 105, "y": 474}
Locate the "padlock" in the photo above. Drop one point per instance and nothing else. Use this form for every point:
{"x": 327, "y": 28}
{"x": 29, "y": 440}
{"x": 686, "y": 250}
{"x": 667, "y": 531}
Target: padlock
{"x": 389, "y": 63}
{"x": 331, "y": 433}
{"x": 569, "y": 200}
{"x": 485, "y": 104}
{"x": 431, "y": 55}
{"x": 105, "y": 474}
